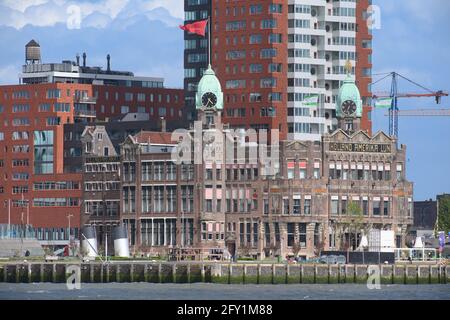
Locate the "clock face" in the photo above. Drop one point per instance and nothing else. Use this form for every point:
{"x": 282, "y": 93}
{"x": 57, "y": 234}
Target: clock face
{"x": 209, "y": 100}
{"x": 349, "y": 107}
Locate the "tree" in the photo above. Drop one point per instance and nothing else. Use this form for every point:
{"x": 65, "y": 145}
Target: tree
{"x": 354, "y": 221}
{"x": 443, "y": 220}
{"x": 296, "y": 247}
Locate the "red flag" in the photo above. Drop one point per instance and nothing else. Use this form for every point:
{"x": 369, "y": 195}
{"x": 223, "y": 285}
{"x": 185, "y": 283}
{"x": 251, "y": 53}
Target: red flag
{"x": 198, "y": 27}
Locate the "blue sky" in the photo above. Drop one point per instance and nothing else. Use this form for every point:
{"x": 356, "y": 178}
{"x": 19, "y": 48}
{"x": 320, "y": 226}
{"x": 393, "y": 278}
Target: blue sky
{"x": 143, "y": 36}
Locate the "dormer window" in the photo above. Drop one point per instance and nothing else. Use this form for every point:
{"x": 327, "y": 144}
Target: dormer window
{"x": 88, "y": 147}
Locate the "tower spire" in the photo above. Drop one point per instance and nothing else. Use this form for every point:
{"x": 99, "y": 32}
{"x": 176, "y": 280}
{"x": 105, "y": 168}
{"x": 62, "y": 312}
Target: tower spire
{"x": 348, "y": 67}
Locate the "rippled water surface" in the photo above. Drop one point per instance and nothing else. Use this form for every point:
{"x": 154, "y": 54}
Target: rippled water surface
{"x": 202, "y": 291}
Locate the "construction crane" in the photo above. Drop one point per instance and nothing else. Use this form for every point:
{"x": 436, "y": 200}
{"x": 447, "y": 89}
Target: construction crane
{"x": 423, "y": 113}
{"x": 394, "y": 95}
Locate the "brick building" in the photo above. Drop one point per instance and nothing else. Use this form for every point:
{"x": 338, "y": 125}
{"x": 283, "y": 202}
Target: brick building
{"x": 40, "y": 158}
{"x": 309, "y": 202}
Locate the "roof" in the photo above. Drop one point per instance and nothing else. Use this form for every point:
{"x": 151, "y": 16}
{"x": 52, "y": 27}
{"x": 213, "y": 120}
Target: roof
{"x": 154, "y": 137}
{"x": 32, "y": 43}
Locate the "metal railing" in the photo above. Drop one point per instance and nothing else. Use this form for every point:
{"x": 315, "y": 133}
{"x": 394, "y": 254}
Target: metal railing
{"x": 416, "y": 254}
{"x": 14, "y": 231}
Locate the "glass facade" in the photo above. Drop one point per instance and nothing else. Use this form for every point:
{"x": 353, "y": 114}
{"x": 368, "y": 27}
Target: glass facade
{"x": 43, "y": 152}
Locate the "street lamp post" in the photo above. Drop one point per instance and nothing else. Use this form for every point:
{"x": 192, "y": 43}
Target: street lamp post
{"x": 68, "y": 218}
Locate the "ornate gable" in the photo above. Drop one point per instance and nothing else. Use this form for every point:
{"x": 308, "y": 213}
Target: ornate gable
{"x": 380, "y": 136}
{"x": 360, "y": 136}
{"x": 339, "y": 135}
{"x": 296, "y": 146}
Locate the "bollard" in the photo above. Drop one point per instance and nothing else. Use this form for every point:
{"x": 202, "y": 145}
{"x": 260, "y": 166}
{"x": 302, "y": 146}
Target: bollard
{"x": 181, "y": 273}
{"x": 196, "y": 273}
{"x": 250, "y": 274}
{"x": 423, "y": 274}
{"x": 399, "y": 274}
{"x": 265, "y": 274}
{"x": 350, "y": 274}
{"x": 308, "y": 274}
{"x": 293, "y": 274}
{"x": 387, "y": 273}
{"x": 166, "y": 274}
{"x": 411, "y": 275}
{"x": 333, "y": 274}
{"x": 236, "y": 274}
{"x": 361, "y": 274}
{"x": 322, "y": 274}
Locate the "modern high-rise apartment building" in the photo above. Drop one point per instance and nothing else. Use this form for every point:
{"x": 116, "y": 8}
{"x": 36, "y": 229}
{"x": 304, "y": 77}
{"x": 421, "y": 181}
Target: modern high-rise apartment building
{"x": 196, "y": 52}
{"x": 282, "y": 62}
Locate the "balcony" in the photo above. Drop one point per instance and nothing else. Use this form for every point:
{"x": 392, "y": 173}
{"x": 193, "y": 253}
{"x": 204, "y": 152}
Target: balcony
{"x": 85, "y": 113}
{"x": 85, "y": 100}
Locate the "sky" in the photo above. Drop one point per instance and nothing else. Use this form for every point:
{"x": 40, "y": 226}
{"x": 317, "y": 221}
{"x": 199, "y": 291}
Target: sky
{"x": 143, "y": 36}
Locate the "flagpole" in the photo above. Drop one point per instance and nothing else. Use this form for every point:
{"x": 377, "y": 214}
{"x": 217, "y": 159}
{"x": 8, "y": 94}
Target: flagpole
{"x": 209, "y": 40}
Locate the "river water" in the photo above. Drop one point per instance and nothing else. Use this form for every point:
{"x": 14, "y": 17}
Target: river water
{"x": 202, "y": 291}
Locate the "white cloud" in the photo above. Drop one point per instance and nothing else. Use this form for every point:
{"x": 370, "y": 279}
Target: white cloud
{"x": 175, "y": 7}
{"x": 9, "y": 74}
{"x": 21, "y": 5}
{"x": 18, "y": 14}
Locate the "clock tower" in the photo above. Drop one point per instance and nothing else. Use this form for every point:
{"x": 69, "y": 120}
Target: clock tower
{"x": 349, "y": 104}
{"x": 209, "y": 98}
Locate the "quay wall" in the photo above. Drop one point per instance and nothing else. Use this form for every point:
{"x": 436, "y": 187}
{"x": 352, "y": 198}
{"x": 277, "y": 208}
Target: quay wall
{"x": 224, "y": 273}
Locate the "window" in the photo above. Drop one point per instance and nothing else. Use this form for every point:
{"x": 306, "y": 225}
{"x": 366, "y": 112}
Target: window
{"x": 124, "y": 109}
{"x": 20, "y": 122}
{"x": 268, "y": 53}
{"x": 365, "y": 207}
{"x": 256, "y": 9}
{"x": 302, "y": 167}
{"x": 297, "y": 206}
{"x": 268, "y": 82}
{"x": 255, "y": 68}
{"x": 43, "y": 152}
{"x": 53, "y": 93}
{"x": 255, "y": 39}
{"x": 344, "y": 206}
{"x": 171, "y": 199}
{"x": 386, "y": 208}
{"x": 275, "y": 67}
{"x": 171, "y": 172}
{"x": 307, "y": 206}
{"x": 275, "y": 38}
{"x": 376, "y": 207}
{"x": 285, "y": 206}
{"x": 235, "y": 25}
{"x": 162, "y": 111}
{"x": 316, "y": 173}
{"x": 190, "y": 73}
{"x": 290, "y": 172}
{"x": 53, "y": 121}
{"x": 275, "y": 8}
{"x": 61, "y": 107}
{"x": 334, "y": 206}
{"x": 399, "y": 171}
{"x": 21, "y": 108}
{"x": 266, "y": 206}
{"x": 268, "y": 24}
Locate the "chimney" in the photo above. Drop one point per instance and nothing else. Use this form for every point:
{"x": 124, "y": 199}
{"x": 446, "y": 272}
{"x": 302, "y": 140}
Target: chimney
{"x": 78, "y": 59}
{"x": 163, "y": 124}
{"x": 84, "y": 59}
{"x": 108, "y": 59}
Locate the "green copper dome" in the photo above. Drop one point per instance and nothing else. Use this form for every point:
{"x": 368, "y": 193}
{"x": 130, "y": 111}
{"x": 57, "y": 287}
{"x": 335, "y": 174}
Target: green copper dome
{"x": 209, "y": 84}
{"x": 349, "y": 92}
